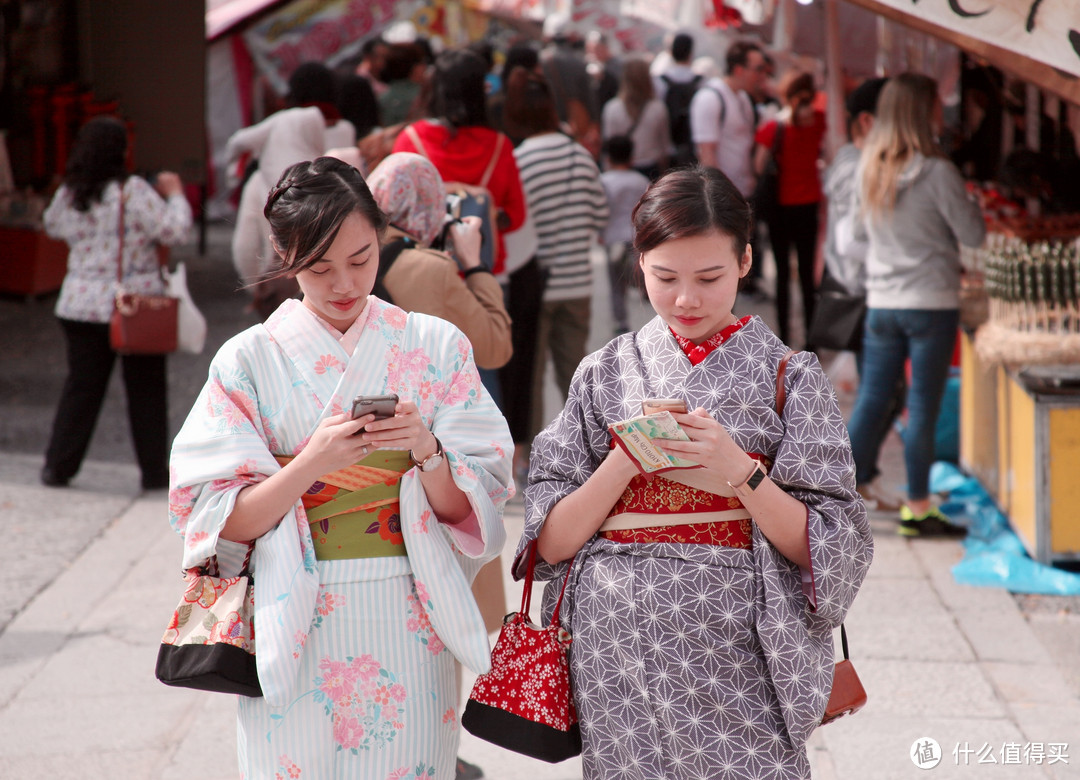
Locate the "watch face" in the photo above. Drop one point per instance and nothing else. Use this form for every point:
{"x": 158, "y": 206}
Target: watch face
{"x": 432, "y": 463}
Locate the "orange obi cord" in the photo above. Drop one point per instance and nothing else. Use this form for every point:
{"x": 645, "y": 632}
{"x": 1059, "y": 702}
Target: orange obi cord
{"x": 354, "y": 512}
{"x": 660, "y": 496}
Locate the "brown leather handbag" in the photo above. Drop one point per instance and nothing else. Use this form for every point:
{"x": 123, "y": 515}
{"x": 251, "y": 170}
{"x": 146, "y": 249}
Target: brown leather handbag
{"x": 848, "y": 695}
{"x": 141, "y": 324}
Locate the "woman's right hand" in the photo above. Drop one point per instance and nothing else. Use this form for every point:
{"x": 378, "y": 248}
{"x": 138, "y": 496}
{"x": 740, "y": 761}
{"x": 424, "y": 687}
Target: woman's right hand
{"x": 335, "y": 444}
{"x": 467, "y": 238}
{"x": 168, "y": 183}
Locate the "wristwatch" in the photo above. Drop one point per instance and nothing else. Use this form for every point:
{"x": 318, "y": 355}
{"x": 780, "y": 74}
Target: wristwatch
{"x": 432, "y": 461}
{"x": 749, "y": 485}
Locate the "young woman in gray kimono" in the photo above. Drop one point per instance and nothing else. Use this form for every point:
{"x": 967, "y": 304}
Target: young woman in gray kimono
{"x": 702, "y": 602}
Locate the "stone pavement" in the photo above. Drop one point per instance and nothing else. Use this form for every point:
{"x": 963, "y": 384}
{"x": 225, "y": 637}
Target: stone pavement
{"x": 91, "y": 576}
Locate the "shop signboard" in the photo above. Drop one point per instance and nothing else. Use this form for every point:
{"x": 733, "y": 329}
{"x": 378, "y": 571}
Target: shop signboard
{"x": 327, "y": 31}
{"x": 1047, "y": 31}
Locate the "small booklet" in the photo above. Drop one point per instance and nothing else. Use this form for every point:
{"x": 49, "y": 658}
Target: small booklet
{"x": 638, "y": 436}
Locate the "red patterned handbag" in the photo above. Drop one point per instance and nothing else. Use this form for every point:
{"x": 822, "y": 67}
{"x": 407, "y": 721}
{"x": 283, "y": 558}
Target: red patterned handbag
{"x": 524, "y": 703}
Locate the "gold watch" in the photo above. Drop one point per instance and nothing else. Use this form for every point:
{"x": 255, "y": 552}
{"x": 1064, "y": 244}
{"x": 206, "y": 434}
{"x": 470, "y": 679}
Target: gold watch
{"x": 432, "y": 461}
{"x": 749, "y": 485}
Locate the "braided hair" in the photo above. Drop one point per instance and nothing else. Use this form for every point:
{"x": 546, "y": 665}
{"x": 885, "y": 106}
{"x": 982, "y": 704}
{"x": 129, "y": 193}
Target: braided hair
{"x": 307, "y": 206}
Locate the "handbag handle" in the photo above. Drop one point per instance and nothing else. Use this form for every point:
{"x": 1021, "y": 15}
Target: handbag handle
{"x": 526, "y": 592}
{"x": 843, "y": 641}
{"x": 120, "y": 254}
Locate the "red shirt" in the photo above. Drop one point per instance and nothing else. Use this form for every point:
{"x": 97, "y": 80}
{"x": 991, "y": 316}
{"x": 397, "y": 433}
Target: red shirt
{"x": 800, "y": 182}
{"x": 464, "y": 158}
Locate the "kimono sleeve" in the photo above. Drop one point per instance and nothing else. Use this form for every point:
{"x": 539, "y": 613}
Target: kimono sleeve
{"x": 813, "y": 463}
{"x": 475, "y": 437}
{"x": 220, "y": 450}
{"x": 564, "y": 455}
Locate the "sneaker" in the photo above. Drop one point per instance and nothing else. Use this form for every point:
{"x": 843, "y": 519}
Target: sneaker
{"x": 878, "y": 497}
{"x": 933, "y": 523}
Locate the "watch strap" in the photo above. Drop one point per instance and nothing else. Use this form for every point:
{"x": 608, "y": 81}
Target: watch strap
{"x": 437, "y": 454}
{"x": 750, "y": 484}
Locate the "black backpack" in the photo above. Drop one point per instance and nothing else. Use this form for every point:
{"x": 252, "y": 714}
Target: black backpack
{"x": 677, "y": 98}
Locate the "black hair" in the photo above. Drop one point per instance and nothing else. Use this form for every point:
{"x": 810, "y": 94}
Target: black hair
{"x": 310, "y": 83}
{"x": 457, "y": 89}
{"x": 309, "y": 203}
{"x": 689, "y": 202}
{"x": 484, "y": 50}
{"x": 97, "y": 157}
{"x": 401, "y": 59}
{"x": 619, "y": 149}
{"x": 520, "y": 55}
{"x": 357, "y": 102}
{"x": 370, "y": 45}
{"x": 682, "y": 47}
{"x": 738, "y": 54}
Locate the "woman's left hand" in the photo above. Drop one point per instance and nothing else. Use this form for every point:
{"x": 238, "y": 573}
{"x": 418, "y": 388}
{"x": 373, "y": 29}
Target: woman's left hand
{"x": 710, "y": 445}
{"x": 404, "y": 431}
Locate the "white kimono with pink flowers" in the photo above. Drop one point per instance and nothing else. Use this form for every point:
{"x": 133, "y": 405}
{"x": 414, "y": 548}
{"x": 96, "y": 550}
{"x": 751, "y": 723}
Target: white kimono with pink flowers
{"x": 355, "y": 656}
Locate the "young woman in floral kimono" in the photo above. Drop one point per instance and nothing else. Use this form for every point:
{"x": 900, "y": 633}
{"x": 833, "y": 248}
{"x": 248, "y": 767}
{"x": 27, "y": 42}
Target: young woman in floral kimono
{"x": 701, "y": 602}
{"x": 367, "y": 532}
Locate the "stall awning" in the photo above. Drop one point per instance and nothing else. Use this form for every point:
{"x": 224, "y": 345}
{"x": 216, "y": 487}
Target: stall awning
{"x": 1037, "y": 40}
{"x": 224, "y": 15}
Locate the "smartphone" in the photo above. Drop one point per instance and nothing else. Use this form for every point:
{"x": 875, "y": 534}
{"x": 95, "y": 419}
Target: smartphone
{"x": 382, "y": 406}
{"x": 654, "y": 405}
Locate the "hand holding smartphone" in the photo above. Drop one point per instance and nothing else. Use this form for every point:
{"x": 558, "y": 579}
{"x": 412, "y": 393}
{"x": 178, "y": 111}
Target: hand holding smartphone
{"x": 654, "y": 405}
{"x": 382, "y": 406}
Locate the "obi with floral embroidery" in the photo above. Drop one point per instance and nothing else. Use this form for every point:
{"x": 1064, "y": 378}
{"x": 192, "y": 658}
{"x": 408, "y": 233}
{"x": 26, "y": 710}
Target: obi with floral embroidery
{"x": 355, "y": 512}
{"x": 681, "y": 507}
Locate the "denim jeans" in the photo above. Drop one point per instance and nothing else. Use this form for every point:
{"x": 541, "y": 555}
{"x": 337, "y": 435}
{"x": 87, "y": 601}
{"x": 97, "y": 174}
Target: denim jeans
{"x": 891, "y": 336}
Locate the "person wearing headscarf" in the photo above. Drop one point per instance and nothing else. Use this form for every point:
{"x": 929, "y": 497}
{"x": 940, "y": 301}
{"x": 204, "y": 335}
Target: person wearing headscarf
{"x": 455, "y": 287}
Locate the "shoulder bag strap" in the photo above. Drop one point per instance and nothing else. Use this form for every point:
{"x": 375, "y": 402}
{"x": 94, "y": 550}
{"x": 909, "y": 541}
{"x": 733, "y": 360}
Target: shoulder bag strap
{"x": 499, "y": 140}
{"x": 387, "y": 255}
{"x": 781, "y": 391}
{"x": 414, "y": 136}
{"x": 120, "y": 236}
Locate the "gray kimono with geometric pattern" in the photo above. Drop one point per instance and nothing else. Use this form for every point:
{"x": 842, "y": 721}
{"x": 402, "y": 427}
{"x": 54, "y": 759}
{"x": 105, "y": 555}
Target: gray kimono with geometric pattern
{"x": 695, "y": 660}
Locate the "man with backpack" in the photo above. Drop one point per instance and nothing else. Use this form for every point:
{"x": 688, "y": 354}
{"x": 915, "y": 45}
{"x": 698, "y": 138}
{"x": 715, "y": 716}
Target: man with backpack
{"x": 676, "y": 87}
{"x": 722, "y": 124}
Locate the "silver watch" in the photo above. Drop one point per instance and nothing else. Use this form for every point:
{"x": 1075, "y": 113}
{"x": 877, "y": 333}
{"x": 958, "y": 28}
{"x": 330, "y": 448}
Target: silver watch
{"x": 432, "y": 461}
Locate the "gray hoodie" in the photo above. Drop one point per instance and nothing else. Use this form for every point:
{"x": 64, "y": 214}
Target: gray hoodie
{"x": 914, "y": 260}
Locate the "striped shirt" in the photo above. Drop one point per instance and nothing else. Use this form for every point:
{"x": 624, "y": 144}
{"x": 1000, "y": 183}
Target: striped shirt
{"x": 569, "y": 207}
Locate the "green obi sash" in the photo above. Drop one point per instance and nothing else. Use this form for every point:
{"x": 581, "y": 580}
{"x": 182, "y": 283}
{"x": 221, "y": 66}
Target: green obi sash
{"x": 355, "y": 512}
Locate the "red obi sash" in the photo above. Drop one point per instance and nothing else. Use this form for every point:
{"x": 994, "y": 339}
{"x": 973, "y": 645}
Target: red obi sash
{"x": 662, "y": 495}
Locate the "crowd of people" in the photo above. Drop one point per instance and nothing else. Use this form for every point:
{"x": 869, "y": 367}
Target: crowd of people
{"x": 369, "y": 282}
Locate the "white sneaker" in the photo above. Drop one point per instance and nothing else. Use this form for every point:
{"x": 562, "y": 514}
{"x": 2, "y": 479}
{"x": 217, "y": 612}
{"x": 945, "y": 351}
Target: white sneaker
{"x": 878, "y": 497}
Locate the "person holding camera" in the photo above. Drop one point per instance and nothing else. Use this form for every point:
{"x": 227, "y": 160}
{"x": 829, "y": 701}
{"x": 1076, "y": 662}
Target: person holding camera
{"x": 417, "y": 277}
{"x": 363, "y": 601}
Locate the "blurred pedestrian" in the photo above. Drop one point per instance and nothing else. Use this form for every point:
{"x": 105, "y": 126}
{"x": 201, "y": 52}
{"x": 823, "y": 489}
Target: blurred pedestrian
{"x": 415, "y": 277}
{"x": 569, "y": 208}
{"x": 98, "y": 202}
{"x": 915, "y": 212}
{"x": 637, "y": 113}
{"x": 311, "y": 127}
{"x": 793, "y": 142}
{"x": 624, "y": 187}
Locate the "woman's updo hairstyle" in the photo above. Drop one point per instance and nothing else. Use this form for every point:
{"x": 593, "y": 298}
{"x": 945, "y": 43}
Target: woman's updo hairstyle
{"x": 306, "y": 207}
{"x": 690, "y": 202}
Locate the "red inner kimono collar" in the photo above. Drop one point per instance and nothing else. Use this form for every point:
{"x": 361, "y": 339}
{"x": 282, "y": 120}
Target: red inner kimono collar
{"x": 695, "y": 353}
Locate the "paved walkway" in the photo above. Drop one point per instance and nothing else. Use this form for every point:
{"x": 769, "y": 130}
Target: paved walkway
{"x": 91, "y": 576}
